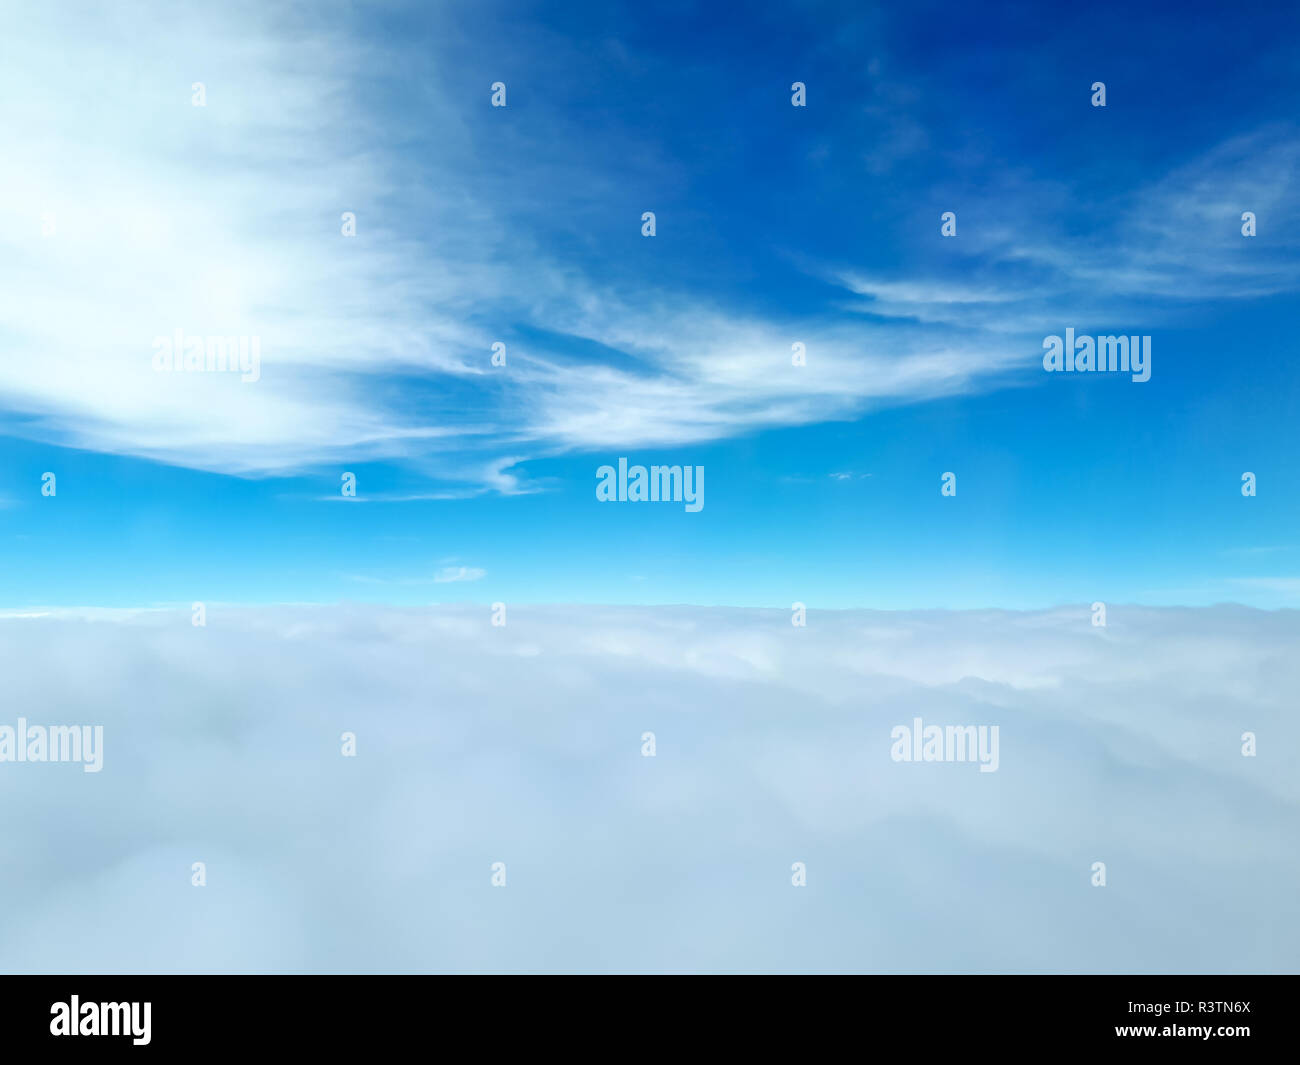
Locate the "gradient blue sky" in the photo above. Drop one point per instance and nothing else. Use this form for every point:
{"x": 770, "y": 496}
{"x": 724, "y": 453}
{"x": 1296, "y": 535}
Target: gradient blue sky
{"x": 775, "y": 224}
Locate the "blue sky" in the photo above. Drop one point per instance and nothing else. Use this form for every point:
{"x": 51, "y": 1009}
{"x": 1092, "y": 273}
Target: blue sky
{"x": 129, "y": 212}
{"x": 775, "y": 225}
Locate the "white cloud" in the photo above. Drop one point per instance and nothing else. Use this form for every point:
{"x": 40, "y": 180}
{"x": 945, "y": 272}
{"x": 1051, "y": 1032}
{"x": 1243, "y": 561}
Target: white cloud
{"x": 1288, "y": 585}
{"x": 220, "y": 220}
{"x": 522, "y": 744}
{"x": 1152, "y": 251}
{"x": 224, "y": 220}
{"x": 449, "y": 574}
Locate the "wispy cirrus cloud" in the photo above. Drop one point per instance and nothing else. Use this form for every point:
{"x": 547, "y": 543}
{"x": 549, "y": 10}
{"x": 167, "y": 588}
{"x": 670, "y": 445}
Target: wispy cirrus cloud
{"x": 453, "y": 574}
{"x": 1170, "y": 241}
{"x": 224, "y": 220}
{"x": 1286, "y": 585}
{"x": 445, "y": 575}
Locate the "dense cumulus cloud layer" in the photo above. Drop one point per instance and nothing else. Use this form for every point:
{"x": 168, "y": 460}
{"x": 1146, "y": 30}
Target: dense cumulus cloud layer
{"x": 522, "y": 744}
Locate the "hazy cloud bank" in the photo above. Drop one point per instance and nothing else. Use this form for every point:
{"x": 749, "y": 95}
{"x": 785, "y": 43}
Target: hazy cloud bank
{"x": 522, "y": 745}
